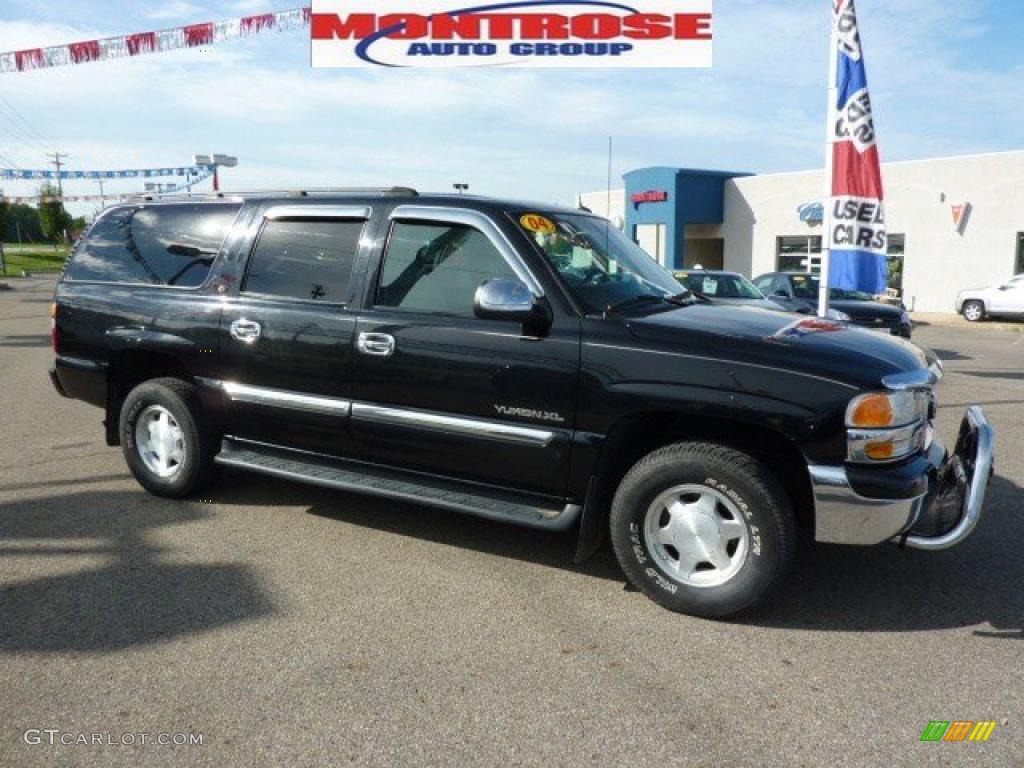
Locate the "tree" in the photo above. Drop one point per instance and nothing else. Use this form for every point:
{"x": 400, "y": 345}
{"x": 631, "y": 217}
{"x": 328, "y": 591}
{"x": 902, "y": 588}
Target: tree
{"x": 5, "y": 209}
{"x": 54, "y": 219}
{"x": 22, "y": 224}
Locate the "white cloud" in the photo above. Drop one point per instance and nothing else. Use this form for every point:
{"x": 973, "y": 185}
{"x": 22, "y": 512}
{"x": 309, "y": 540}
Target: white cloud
{"x": 179, "y": 9}
{"x": 520, "y": 132}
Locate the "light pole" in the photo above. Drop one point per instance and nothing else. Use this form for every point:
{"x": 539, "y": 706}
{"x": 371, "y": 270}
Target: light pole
{"x": 218, "y": 161}
{"x": 461, "y": 187}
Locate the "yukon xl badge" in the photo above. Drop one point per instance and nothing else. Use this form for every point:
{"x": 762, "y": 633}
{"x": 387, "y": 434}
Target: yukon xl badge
{"x": 529, "y": 413}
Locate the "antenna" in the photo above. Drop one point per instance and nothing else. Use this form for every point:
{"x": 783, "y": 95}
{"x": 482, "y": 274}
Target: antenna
{"x": 608, "y": 202}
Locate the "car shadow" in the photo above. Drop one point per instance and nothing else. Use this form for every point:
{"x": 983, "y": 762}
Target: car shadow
{"x": 34, "y": 340}
{"x": 136, "y": 597}
{"x": 554, "y": 550}
{"x": 832, "y": 588}
{"x": 949, "y": 355}
{"x": 884, "y": 589}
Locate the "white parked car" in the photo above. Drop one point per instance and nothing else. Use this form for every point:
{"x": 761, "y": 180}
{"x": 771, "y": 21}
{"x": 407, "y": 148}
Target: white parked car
{"x": 1003, "y": 299}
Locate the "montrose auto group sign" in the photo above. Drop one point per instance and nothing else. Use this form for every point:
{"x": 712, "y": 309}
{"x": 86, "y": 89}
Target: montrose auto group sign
{"x": 522, "y": 33}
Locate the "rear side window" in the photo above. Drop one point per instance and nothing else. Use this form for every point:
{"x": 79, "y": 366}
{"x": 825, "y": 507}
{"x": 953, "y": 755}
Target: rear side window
{"x": 158, "y": 245}
{"x": 437, "y": 268}
{"x": 307, "y": 259}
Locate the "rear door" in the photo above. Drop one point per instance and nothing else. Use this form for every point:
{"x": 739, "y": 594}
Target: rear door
{"x": 440, "y": 391}
{"x": 287, "y": 338}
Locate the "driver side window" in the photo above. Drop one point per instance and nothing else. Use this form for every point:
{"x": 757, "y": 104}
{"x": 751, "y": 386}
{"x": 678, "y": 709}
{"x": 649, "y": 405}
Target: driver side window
{"x": 437, "y": 267}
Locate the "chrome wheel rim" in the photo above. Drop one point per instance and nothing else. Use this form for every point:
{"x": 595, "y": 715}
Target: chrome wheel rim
{"x": 697, "y": 535}
{"x": 972, "y": 312}
{"x": 160, "y": 441}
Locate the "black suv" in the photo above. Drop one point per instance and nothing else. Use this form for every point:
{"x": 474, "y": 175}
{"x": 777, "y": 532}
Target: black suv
{"x": 521, "y": 362}
{"x": 798, "y": 292}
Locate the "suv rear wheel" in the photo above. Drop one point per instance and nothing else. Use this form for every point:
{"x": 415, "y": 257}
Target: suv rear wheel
{"x": 974, "y": 311}
{"x": 162, "y": 438}
{"x": 703, "y": 529}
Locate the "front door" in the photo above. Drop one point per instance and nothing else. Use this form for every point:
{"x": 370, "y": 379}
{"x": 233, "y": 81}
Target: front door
{"x": 438, "y": 390}
{"x": 287, "y": 339}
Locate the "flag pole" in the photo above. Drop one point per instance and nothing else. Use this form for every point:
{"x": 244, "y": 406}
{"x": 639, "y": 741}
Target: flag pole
{"x": 833, "y": 96}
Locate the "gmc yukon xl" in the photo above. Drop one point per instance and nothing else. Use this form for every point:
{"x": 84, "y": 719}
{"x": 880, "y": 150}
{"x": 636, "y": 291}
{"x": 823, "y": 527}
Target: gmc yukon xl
{"x": 520, "y": 362}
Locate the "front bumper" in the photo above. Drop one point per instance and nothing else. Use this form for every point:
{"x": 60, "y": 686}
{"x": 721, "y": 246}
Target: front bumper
{"x": 937, "y": 501}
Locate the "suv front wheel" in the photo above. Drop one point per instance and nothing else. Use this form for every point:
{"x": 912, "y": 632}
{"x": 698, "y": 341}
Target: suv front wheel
{"x": 703, "y": 529}
{"x": 163, "y": 439}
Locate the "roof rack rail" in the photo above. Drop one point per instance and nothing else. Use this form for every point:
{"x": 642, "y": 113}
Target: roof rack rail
{"x": 396, "y": 191}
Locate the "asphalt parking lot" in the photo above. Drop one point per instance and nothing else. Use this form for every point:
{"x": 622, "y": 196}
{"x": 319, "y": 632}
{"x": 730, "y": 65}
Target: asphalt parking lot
{"x": 294, "y": 626}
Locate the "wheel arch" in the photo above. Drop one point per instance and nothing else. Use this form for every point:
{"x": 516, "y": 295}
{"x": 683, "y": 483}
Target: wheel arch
{"x": 637, "y": 435}
{"x": 129, "y": 368}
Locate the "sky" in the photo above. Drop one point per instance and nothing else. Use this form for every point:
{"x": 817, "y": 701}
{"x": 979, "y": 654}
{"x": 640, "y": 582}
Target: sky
{"x": 946, "y": 79}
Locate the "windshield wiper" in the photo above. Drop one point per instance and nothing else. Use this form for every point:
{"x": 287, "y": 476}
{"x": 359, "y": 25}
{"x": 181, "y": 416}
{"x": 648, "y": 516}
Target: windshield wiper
{"x": 680, "y": 300}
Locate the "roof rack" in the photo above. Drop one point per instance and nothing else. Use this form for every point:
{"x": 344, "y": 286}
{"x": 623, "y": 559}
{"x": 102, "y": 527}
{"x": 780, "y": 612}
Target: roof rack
{"x": 395, "y": 191}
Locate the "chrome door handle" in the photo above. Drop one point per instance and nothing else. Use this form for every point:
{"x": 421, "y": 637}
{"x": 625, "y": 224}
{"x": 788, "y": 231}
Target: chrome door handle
{"x": 378, "y": 344}
{"x": 245, "y": 330}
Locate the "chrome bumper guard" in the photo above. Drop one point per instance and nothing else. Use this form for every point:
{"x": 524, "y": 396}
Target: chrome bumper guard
{"x": 844, "y": 517}
{"x": 971, "y": 466}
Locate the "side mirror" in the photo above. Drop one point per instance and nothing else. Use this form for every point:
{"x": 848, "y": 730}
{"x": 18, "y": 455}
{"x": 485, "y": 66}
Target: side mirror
{"x": 508, "y": 298}
{"x": 780, "y": 295}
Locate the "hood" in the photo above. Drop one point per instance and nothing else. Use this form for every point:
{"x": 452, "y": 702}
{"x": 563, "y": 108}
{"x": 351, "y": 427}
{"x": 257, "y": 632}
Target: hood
{"x": 759, "y": 303}
{"x": 860, "y": 310}
{"x": 773, "y": 339}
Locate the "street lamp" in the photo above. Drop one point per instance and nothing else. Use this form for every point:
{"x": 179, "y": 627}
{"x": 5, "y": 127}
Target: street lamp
{"x": 217, "y": 161}
{"x": 461, "y": 187}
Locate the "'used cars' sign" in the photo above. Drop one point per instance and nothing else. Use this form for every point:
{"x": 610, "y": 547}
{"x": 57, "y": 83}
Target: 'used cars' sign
{"x": 521, "y": 33}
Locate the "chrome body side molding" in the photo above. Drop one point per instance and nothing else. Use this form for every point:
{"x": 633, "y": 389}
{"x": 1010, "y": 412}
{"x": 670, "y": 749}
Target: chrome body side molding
{"x": 381, "y": 414}
{"x": 279, "y": 398}
{"x": 456, "y": 425}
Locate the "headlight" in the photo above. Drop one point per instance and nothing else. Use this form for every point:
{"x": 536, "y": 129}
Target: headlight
{"x": 835, "y": 314}
{"x": 887, "y": 426}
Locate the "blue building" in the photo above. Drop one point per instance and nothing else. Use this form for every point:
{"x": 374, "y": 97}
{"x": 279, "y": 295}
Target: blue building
{"x": 662, "y": 202}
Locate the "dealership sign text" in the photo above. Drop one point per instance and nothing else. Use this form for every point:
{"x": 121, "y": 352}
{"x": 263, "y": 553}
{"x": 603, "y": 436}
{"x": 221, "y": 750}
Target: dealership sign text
{"x": 525, "y": 33}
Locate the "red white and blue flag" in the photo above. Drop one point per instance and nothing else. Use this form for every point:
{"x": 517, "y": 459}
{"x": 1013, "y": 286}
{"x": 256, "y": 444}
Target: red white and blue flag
{"x": 857, "y": 234}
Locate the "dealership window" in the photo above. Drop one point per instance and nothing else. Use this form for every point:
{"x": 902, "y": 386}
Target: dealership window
{"x": 1020, "y": 254}
{"x": 897, "y": 247}
{"x": 800, "y": 253}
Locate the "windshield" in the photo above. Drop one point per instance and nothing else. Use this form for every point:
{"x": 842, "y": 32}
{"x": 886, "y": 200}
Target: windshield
{"x": 808, "y": 287}
{"x": 600, "y": 265}
{"x": 716, "y": 285}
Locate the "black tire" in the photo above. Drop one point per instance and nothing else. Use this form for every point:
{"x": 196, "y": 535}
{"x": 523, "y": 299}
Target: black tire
{"x": 181, "y": 400}
{"x": 977, "y": 310}
{"x": 765, "y": 506}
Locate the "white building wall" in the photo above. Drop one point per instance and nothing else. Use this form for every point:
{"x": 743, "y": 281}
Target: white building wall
{"x": 939, "y": 261}
{"x": 598, "y": 202}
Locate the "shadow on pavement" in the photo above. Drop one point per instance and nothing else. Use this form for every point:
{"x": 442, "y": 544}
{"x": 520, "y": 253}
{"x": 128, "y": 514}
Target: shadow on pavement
{"x": 419, "y": 522}
{"x": 948, "y": 355}
{"x": 133, "y": 600}
{"x": 34, "y": 340}
{"x": 883, "y": 589}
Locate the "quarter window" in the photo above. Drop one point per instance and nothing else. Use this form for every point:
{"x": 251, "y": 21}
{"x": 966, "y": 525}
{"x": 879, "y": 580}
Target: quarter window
{"x": 308, "y": 259}
{"x": 437, "y": 267}
{"x": 159, "y": 244}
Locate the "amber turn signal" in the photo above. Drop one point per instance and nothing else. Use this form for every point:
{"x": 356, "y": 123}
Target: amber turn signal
{"x": 872, "y": 412}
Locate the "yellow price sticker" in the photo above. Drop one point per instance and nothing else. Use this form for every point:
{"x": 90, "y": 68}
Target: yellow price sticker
{"x": 534, "y": 222}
